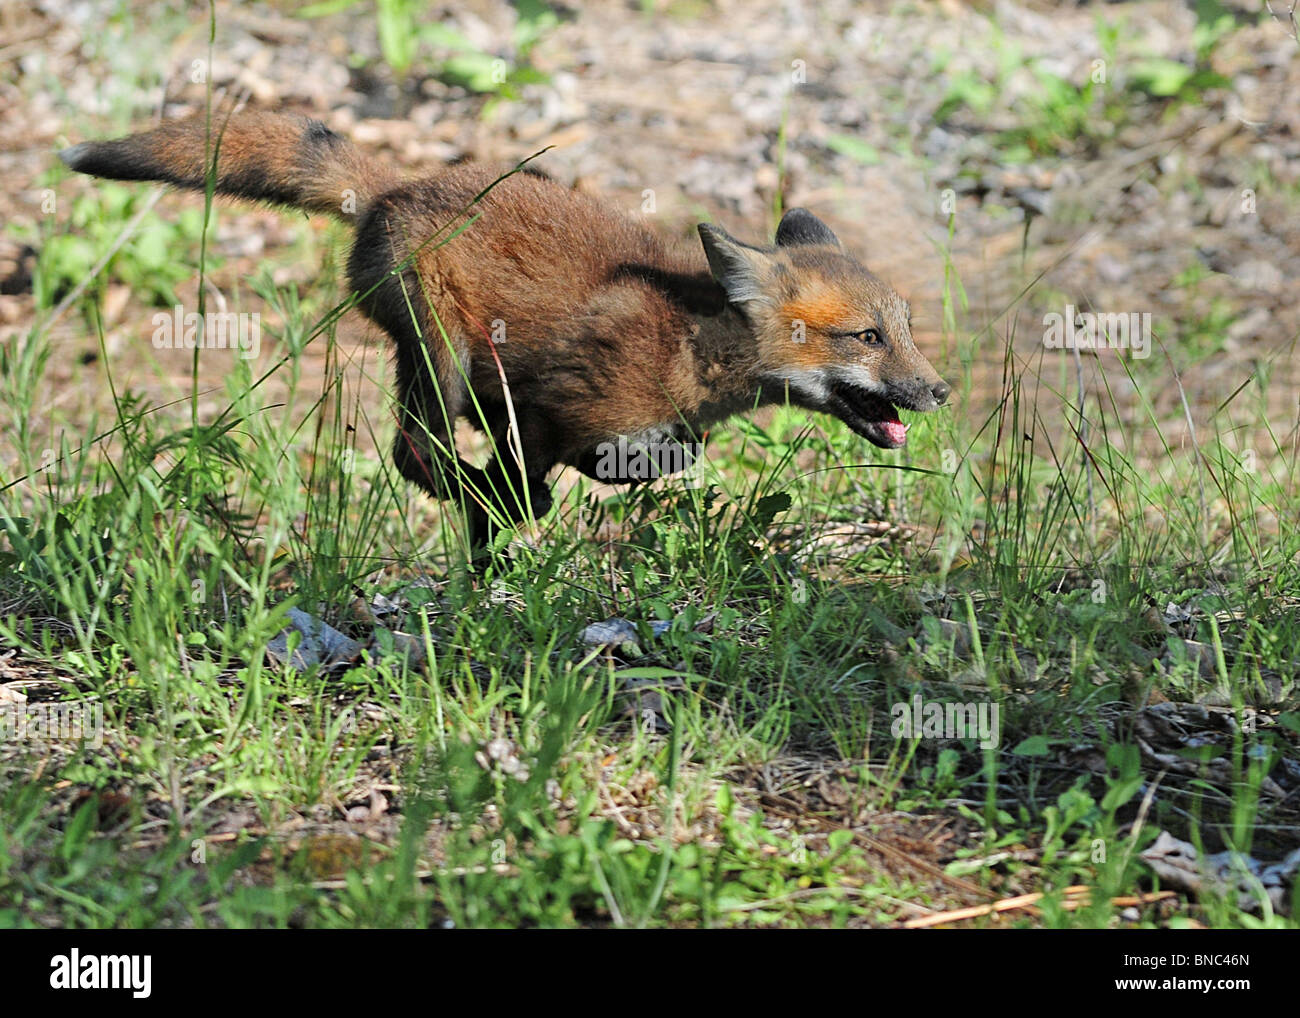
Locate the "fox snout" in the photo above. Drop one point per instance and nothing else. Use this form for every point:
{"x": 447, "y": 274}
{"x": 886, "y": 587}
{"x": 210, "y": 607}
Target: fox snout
{"x": 867, "y": 388}
{"x": 866, "y": 395}
{"x": 872, "y": 411}
{"x": 919, "y": 394}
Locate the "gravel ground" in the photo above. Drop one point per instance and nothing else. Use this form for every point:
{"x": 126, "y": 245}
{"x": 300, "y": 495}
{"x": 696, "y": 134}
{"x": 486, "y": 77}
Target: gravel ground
{"x": 689, "y": 103}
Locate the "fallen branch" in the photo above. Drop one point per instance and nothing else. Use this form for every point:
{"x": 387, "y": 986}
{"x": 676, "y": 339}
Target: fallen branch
{"x": 1075, "y": 897}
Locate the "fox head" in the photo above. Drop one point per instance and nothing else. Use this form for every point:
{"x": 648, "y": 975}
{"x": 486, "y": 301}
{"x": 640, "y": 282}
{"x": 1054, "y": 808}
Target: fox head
{"x": 827, "y": 331}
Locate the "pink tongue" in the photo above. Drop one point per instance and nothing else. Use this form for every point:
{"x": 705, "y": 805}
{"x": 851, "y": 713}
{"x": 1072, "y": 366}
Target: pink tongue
{"x": 895, "y": 431}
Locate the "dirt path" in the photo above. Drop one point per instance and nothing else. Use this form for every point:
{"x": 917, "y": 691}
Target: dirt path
{"x": 688, "y": 109}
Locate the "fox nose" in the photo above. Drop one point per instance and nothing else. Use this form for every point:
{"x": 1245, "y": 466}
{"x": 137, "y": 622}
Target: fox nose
{"x": 940, "y": 391}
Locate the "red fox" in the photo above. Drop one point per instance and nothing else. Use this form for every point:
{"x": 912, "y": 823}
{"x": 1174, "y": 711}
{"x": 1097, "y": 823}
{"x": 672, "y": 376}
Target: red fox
{"x": 602, "y": 331}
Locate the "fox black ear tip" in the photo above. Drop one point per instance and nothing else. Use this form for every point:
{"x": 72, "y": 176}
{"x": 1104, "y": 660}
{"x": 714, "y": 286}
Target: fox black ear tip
{"x": 74, "y": 155}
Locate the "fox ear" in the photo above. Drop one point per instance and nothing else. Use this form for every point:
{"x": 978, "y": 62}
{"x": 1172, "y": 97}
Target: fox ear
{"x": 799, "y": 226}
{"x": 743, "y": 271}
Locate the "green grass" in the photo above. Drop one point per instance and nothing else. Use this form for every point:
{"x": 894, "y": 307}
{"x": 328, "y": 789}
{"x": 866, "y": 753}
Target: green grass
{"x": 737, "y": 767}
{"x": 405, "y": 29}
{"x": 1070, "y": 117}
{"x": 149, "y": 572}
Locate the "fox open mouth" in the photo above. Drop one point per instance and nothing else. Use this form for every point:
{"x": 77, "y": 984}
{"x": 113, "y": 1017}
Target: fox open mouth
{"x": 871, "y": 416}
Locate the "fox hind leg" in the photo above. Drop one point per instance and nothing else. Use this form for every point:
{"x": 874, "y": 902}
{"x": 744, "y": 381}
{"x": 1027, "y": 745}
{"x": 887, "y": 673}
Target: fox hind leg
{"x": 515, "y": 487}
{"x": 424, "y": 449}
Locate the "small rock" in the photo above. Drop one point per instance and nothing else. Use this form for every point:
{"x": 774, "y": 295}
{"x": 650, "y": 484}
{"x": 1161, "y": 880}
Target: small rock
{"x": 1252, "y": 325}
{"x": 321, "y": 644}
{"x": 1257, "y": 274}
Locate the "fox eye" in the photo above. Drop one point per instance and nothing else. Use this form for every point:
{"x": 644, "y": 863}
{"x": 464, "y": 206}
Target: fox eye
{"x": 869, "y": 336}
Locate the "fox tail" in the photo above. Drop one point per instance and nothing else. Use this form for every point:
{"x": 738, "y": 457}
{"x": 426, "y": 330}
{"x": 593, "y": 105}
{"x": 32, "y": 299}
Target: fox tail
{"x": 280, "y": 158}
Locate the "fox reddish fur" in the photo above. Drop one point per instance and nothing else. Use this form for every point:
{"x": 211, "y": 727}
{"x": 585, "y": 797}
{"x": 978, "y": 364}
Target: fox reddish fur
{"x": 610, "y": 331}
